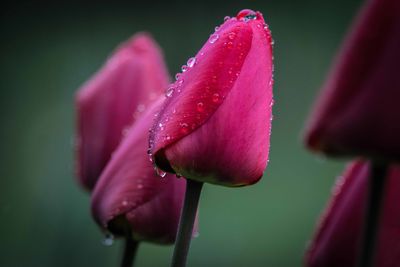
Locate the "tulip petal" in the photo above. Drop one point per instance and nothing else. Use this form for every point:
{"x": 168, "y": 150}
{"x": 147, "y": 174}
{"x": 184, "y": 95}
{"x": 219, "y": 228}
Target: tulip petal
{"x": 133, "y": 77}
{"x": 220, "y": 134}
{"x": 337, "y": 240}
{"x": 130, "y": 194}
{"x": 357, "y": 112}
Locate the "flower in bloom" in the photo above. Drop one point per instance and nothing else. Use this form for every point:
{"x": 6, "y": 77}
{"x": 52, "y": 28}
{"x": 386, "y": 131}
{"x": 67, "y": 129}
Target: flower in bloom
{"x": 215, "y": 125}
{"x": 130, "y": 198}
{"x": 337, "y": 240}
{"x": 358, "y": 111}
{"x": 133, "y": 77}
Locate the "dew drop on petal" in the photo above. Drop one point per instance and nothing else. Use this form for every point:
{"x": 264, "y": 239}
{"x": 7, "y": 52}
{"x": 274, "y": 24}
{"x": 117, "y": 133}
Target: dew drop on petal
{"x": 184, "y": 68}
{"x": 246, "y": 15}
{"x": 213, "y": 38}
{"x": 108, "y": 240}
{"x": 231, "y": 35}
{"x": 184, "y": 127}
{"x": 200, "y": 107}
{"x": 226, "y": 18}
{"x": 215, "y": 98}
{"x": 191, "y": 62}
{"x": 216, "y": 28}
{"x": 177, "y": 76}
{"x": 170, "y": 91}
{"x": 159, "y": 172}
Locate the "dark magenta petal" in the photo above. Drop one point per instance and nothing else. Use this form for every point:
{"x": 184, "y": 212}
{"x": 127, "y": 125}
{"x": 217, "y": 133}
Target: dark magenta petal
{"x": 215, "y": 125}
{"x": 337, "y": 240}
{"x": 133, "y": 77}
{"x": 129, "y": 195}
{"x": 358, "y": 111}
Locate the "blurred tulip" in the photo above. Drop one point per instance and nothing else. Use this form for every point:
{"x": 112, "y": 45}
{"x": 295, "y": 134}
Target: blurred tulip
{"x": 358, "y": 112}
{"x": 215, "y": 125}
{"x": 130, "y": 197}
{"x": 133, "y": 77}
{"x": 337, "y": 241}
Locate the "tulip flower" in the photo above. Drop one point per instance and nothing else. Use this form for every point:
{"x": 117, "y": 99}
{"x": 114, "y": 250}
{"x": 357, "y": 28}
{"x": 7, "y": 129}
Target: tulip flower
{"x": 129, "y": 198}
{"x": 358, "y": 111}
{"x": 338, "y": 239}
{"x": 132, "y": 78}
{"x": 215, "y": 125}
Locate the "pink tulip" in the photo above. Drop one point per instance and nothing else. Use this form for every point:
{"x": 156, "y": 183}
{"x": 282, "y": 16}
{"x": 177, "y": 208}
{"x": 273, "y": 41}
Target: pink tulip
{"x": 129, "y": 196}
{"x": 215, "y": 125}
{"x": 133, "y": 77}
{"x": 358, "y": 112}
{"x": 337, "y": 241}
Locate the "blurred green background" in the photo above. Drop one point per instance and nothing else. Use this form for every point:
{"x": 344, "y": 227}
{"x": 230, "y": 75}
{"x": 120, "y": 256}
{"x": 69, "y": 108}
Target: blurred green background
{"x": 49, "y": 50}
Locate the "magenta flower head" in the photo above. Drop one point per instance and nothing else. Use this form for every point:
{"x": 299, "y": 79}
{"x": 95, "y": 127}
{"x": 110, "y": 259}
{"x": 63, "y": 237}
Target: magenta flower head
{"x": 337, "y": 242}
{"x": 215, "y": 125}
{"x": 358, "y": 111}
{"x": 130, "y": 198}
{"x": 133, "y": 77}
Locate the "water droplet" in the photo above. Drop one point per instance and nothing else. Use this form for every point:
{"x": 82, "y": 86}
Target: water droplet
{"x": 272, "y": 42}
{"x": 213, "y": 38}
{"x": 184, "y": 68}
{"x": 246, "y": 15}
{"x": 200, "y": 107}
{"x": 177, "y": 76}
{"x": 184, "y": 127}
{"x": 160, "y": 173}
{"x": 178, "y": 175}
{"x": 170, "y": 91}
{"x": 215, "y": 98}
{"x": 231, "y": 35}
{"x": 108, "y": 240}
{"x": 161, "y": 126}
{"x": 216, "y": 28}
{"x": 226, "y": 18}
{"x": 271, "y": 103}
{"x": 180, "y": 82}
{"x": 196, "y": 234}
{"x": 191, "y": 62}
{"x": 266, "y": 27}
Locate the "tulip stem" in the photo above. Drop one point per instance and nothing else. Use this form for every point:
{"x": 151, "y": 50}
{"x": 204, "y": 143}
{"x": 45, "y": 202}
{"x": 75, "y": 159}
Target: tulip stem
{"x": 185, "y": 229}
{"x": 376, "y": 188}
{"x": 130, "y": 249}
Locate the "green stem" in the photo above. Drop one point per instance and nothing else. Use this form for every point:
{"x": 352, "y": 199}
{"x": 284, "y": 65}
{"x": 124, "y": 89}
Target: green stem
{"x": 130, "y": 249}
{"x": 376, "y": 188}
{"x": 185, "y": 229}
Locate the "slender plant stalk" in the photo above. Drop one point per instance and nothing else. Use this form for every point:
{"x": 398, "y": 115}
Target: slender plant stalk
{"x": 376, "y": 189}
{"x": 185, "y": 229}
{"x": 130, "y": 249}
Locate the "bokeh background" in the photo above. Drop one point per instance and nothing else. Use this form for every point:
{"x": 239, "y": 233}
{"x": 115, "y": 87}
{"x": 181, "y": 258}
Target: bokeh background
{"x": 49, "y": 49}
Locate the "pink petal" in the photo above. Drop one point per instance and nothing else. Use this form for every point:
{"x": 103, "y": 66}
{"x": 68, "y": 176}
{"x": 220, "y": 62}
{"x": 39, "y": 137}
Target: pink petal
{"x": 217, "y": 128}
{"x": 133, "y": 77}
{"x": 337, "y": 241}
{"x": 129, "y": 195}
{"x": 357, "y": 112}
